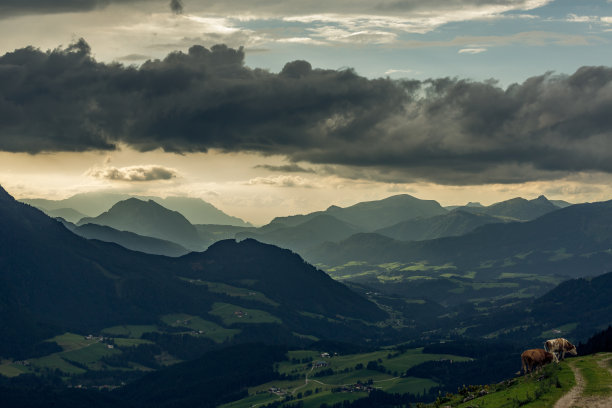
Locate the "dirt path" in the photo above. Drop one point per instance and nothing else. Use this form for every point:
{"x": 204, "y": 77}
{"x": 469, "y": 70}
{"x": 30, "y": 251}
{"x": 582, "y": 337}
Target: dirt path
{"x": 604, "y": 364}
{"x": 574, "y": 398}
{"x": 305, "y": 382}
{"x": 567, "y": 401}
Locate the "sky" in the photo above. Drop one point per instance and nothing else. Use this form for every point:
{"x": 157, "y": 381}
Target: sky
{"x": 268, "y": 108}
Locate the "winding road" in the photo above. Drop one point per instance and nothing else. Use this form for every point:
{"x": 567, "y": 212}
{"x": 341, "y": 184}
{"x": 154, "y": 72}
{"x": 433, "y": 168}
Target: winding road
{"x": 574, "y": 397}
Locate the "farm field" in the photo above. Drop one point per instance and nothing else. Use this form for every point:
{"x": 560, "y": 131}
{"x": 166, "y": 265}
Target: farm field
{"x": 200, "y": 326}
{"x": 233, "y": 291}
{"x": 335, "y": 380}
{"x": 231, "y": 314}
{"x": 131, "y": 331}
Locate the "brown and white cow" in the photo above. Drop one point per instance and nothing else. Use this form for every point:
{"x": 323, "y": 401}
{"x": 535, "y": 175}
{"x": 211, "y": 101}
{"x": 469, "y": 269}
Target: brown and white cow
{"x": 533, "y": 359}
{"x": 560, "y": 346}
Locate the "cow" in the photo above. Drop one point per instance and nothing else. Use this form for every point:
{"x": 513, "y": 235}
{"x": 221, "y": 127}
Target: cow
{"x": 533, "y": 359}
{"x": 560, "y": 346}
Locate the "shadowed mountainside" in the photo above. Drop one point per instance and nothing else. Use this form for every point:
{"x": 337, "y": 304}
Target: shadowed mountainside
{"x": 129, "y": 240}
{"x": 52, "y": 281}
{"x": 454, "y": 223}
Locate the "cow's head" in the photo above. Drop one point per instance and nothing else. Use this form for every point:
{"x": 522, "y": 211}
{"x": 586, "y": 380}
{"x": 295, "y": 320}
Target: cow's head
{"x": 569, "y": 348}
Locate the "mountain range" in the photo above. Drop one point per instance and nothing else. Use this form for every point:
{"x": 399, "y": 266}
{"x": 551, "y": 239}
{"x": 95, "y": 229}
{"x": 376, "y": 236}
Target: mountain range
{"x": 454, "y": 223}
{"x": 515, "y": 209}
{"x": 196, "y": 210}
{"x": 573, "y": 241}
{"x": 371, "y": 215}
{"x": 401, "y": 217}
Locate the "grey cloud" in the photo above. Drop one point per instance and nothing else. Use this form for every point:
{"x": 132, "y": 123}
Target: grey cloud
{"x": 18, "y": 7}
{"x": 443, "y": 130}
{"x": 176, "y": 6}
{"x": 286, "y": 168}
{"x": 134, "y": 57}
{"x": 134, "y": 173}
{"x": 281, "y": 181}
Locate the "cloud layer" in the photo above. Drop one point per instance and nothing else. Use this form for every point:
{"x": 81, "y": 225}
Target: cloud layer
{"x": 293, "y": 7}
{"x": 444, "y": 130}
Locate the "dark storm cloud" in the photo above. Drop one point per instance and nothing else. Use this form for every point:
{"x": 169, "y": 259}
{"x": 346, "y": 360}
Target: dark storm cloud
{"x": 286, "y": 168}
{"x": 443, "y": 130}
{"x": 176, "y": 6}
{"x": 17, "y": 7}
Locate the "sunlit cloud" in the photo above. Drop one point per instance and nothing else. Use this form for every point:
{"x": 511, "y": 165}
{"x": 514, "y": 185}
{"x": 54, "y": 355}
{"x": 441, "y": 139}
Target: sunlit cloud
{"x": 472, "y": 50}
{"x": 281, "y": 181}
{"x": 133, "y": 173}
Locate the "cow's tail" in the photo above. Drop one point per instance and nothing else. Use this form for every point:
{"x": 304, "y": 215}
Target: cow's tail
{"x": 523, "y": 365}
{"x": 546, "y": 346}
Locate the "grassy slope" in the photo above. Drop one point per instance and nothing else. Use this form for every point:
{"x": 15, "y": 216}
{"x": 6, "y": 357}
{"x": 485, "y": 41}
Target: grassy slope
{"x": 541, "y": 390}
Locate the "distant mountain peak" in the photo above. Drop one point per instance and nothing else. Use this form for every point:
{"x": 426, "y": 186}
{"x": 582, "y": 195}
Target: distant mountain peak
{"x": 150, "y": 219}
{"x": 474, "y": 204}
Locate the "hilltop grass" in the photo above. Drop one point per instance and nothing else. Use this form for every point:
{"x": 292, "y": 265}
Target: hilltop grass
{"x": 89, "y": 355}
{"x": 233, "y": 291}
{"x": 78, "y": 356}
{"x": 566, "y": 328}
{"x": 9, "y": 369}
{"x": 131, "y": 331}
{"x": 209, "y": 329}
{"x": 71, "y": 341}
{"x": 56, "y": 362}
{"x": 122, "y": 342}
{"x": 232, "y": 314}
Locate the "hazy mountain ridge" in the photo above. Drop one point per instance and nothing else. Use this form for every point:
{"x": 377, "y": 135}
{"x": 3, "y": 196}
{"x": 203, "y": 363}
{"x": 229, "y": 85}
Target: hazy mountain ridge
{"x": 68, "y": 214}
{"x": 454, "y": 223}
{"x": 516, "y": 208}
{"x": 584, "y": 231}
{"x": 150, "y": 219}
{"x": 314, "y": 231}
{"x": 371, "y": 215}
{"x": 129, "y": 240}
{"x": 196, "y": 210}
